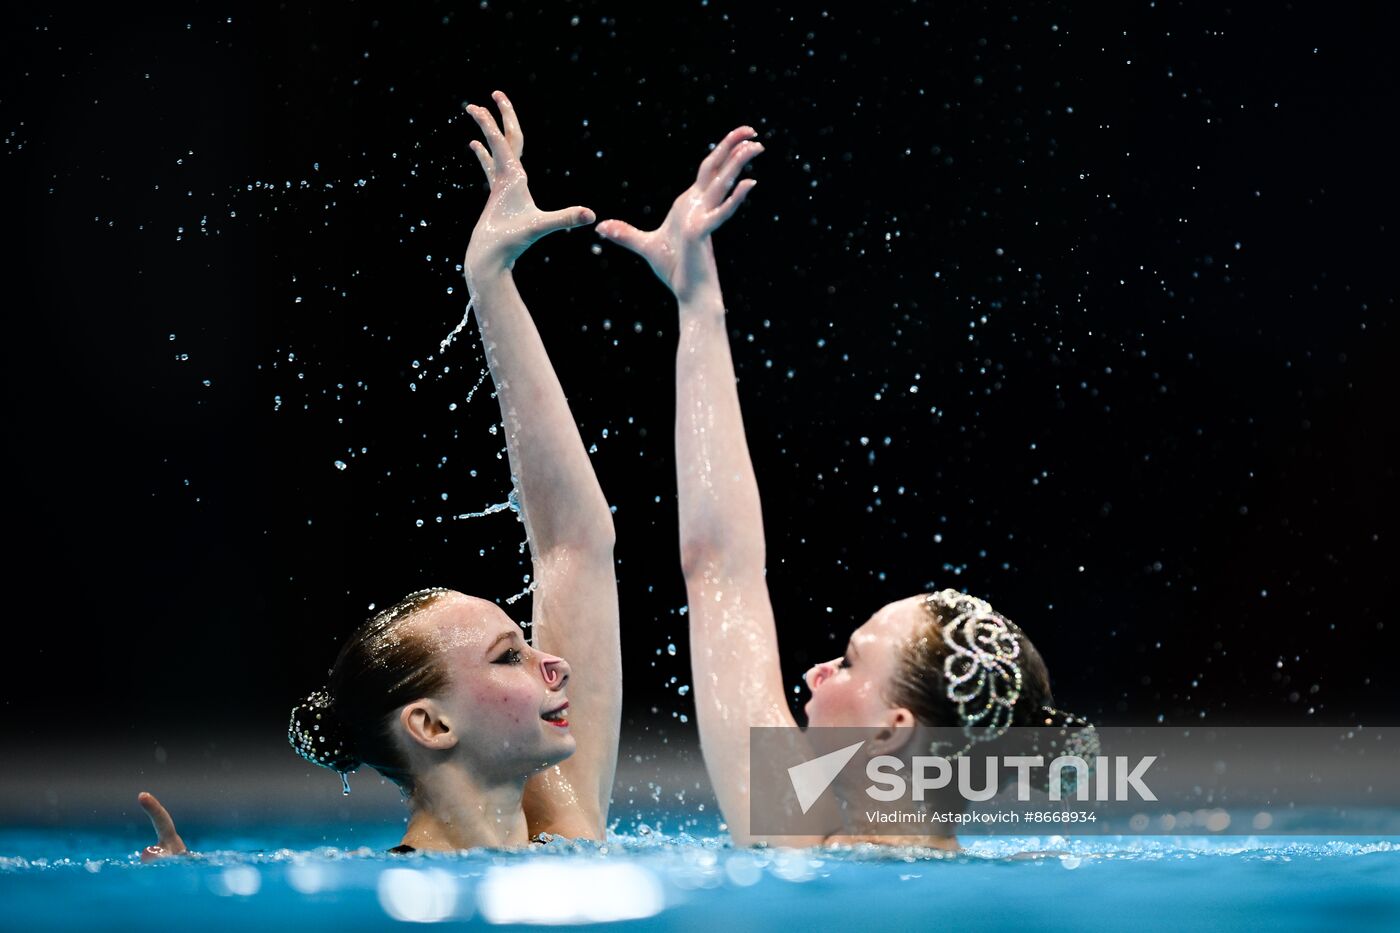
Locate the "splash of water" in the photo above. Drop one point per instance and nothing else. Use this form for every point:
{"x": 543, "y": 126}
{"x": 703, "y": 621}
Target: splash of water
{"x": 466, "y": 315}
{"x": 479, "y": 380}
{"x": 489, "y": 510}
{"x": 512, "y": 600}
{"x": 512, "y": 502}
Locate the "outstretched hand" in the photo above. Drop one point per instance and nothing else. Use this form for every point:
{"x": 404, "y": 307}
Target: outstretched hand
{"x": 680, "y": 251}
{"x": 168, "y": 842}
{"x": 510, "y": 222}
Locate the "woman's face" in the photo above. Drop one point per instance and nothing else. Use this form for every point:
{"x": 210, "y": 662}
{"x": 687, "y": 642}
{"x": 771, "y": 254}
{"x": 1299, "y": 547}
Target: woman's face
{"x": 500, "y": 690}
{"x": 850, "y": 690}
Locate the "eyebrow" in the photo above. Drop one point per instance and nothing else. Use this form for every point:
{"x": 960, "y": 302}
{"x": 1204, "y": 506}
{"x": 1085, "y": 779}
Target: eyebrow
{"x": 497, "y": 640}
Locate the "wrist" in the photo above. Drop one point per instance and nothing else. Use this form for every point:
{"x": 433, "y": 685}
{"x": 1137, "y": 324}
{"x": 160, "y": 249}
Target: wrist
{"x": 484, "y": 273}
{"x": 701, "y": 301}
{"x": 698, "y": 281}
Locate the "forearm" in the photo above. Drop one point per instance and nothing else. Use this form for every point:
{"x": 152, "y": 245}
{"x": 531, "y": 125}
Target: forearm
{"x": 721, "y": 523}
{"x": 560, "y": 500}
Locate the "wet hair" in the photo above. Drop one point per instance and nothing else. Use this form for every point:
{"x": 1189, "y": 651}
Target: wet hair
{"x": 919, "y": 684}
{"x": 380, "y": 668}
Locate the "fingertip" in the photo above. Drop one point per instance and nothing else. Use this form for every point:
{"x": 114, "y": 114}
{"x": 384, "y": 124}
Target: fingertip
{"x": 586, "y": 216}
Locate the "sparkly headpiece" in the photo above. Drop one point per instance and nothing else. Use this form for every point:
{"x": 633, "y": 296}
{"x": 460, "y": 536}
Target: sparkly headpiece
{"x": 980, "y": 670}
{"x": 983, "y": 675}
{"x": 316, "y": 734}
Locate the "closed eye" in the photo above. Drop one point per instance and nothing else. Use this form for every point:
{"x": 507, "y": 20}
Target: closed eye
{"x": 509, "y": 656}
{"x": 845, "y": 661}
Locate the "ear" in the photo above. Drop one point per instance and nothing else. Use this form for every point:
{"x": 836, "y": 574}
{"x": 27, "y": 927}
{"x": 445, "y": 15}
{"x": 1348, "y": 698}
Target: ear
{"x": 427, "y": 726}
{"x": 894, "y": 732}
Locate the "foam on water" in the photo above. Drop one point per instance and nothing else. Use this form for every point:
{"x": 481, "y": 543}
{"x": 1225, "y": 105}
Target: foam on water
{"x": 661, "y": 880}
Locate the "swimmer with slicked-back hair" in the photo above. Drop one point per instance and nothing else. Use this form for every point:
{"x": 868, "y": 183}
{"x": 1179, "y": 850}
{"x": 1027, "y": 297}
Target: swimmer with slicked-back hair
{"x": 495, "y": 740}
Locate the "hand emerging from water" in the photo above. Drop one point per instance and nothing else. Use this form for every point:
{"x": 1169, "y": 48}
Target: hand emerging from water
{"x": 680, "y": 251}
{"x": 168, "y": 842}
{"x": 510, "y": 222}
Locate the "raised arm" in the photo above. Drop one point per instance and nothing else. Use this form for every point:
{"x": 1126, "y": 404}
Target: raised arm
{"x": 567, "y": 519}
{"x": 733, "y": 641}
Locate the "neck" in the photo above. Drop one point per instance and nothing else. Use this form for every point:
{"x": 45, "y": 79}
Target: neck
{"x": 453, "y": 809}
{"x": 854, "y": 830}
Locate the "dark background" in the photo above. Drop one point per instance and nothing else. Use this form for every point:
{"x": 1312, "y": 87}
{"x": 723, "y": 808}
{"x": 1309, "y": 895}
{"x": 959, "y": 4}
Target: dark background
{"x": 1137, "y": 262}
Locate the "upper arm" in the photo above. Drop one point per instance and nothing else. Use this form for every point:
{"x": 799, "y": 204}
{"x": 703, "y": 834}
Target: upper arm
{"x": 576, "y": 617}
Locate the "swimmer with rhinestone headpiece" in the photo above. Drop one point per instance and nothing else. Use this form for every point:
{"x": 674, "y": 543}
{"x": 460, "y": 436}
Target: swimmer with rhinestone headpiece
{"x": 925, "y": 663}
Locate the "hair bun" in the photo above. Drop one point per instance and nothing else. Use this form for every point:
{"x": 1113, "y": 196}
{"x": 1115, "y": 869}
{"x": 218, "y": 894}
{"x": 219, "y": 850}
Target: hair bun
{"x": 319, "y": 735}
{"x": 1076, "y": 738}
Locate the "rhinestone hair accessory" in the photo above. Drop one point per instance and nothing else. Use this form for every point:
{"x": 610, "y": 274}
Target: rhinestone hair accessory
{"x": 981, "y": 670}
{"x": 984, "y": 678}
{"x": 316, "y": 735}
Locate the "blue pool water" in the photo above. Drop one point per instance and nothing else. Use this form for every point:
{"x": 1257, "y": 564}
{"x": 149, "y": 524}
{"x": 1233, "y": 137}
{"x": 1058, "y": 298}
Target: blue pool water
{"x": 675, "y": 881}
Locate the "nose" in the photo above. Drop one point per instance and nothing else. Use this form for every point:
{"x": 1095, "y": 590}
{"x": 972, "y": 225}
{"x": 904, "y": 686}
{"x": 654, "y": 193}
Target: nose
{"x": 555, "y": 671}
{"x": 818, "y": 673}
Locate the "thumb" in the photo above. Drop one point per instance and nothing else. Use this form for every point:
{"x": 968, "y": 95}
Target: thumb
{"x": 563, "y": 220}
{"x": 621, "y": 233}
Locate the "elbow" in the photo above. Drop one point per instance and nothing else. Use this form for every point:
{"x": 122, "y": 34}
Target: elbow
{"x": 588, "y": 529}
{"x": 604, "y": 536}
{"x": 596, "y": 537}
{"x": 716, "y": 556}
{"x": 696, "y": 555}
{"x": 597, "y": 541}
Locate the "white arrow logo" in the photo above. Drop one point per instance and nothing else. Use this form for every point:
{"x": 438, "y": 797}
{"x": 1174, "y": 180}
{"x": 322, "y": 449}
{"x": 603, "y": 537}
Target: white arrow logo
{"x": 811, "y": 778}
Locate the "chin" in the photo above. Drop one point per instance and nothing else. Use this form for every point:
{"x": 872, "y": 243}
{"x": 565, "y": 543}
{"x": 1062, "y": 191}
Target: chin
{"x": 560, "y": 748}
